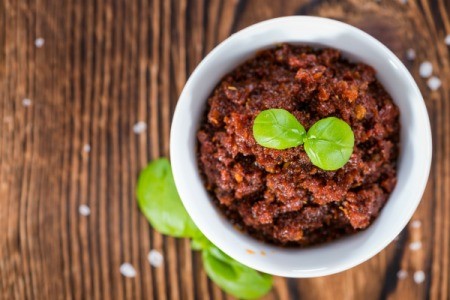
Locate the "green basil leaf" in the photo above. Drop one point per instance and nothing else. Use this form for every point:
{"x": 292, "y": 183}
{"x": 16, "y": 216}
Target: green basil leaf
{"x": 200, "y": 242}
{"x": 278, "y": 129}
{"x": 329, "y": 143}
{"x": 233, "y": 277}
{"x": 159, "y": 201}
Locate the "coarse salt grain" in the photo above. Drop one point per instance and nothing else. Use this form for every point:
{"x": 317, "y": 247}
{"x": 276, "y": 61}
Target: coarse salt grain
{"x": 447, "y": 40}
{"x": 411, "y": 54}
{"x": 416, "y": 224}
{"x": 425, "y": 69}
{"x": 87, "y": 148}
{"x": 26, "y": 102}
{"x": 419, "y": 277}
{"x": 139, "y": 127}
{"x": 434, "y": 83}
{"x": 155, "y": 258}
{"x": 84, "y": 210}
{"x": 127, "y": 270}
{"x": 414, "y": 246}
{"x": 402, "y": 274}
{"x": 39, "y": 42}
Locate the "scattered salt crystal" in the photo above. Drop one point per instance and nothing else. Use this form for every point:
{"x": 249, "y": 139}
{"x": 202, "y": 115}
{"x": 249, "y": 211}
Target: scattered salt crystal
{"x": 127, "y": 270}
{"x": 425, "y": 69}
{"x": 447, "y": 39}
{"x": 419, "y": 277}
{"x": 434, "y": 83}
{"x": 84, "y": 210}
{"x": 416, "y": 224}
{"x": 26, "y": 102}
{"x": 411, "y": 54}
{"x": 402, "y": 274}
{"x": 415, "y": 246}
{"x": 139, "y": 127}
{"x": 87, "y": 148}
{"x": 39, "y": 42}
{"x": 155, "y": 258}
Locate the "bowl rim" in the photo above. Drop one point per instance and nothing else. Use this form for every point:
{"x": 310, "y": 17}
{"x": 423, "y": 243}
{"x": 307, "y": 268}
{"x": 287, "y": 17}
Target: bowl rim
{"x": 177, "y": 161}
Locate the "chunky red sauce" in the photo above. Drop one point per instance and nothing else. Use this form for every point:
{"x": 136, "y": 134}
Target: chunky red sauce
{"x": 278, "y": 196}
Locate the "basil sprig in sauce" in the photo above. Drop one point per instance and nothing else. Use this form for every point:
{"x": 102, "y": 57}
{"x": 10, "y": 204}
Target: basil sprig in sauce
{"x": 328, "y": 143}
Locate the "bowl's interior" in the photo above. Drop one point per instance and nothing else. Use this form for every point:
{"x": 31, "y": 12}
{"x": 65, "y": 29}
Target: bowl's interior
{"x": 413, "y": 165}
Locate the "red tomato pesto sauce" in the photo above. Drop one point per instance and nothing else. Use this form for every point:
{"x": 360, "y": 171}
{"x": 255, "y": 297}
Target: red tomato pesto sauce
{"x": 279, "y": 196}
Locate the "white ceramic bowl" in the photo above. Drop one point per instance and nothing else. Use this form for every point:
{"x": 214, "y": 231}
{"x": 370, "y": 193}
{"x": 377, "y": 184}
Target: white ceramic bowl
{"x": 413, "y": 165}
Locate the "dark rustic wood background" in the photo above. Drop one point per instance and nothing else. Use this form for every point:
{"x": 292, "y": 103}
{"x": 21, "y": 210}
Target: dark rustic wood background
{"x": 106, "y": 65}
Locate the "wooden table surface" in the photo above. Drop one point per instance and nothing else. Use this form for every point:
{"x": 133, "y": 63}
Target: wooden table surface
{"x": 92, "y": 69}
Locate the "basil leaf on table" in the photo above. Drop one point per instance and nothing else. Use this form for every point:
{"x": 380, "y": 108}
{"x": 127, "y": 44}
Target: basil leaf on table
{"x": 200, "y": 242}
{"x": 329, "y": 143}
{"x": 278, "y": 129}
{"x": 159, "y": 201}
{"x": 233, "y": 277}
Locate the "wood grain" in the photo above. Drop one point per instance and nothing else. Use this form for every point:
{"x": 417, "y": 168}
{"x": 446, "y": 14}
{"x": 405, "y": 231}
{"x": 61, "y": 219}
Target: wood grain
{"x": 106, "y": 65}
